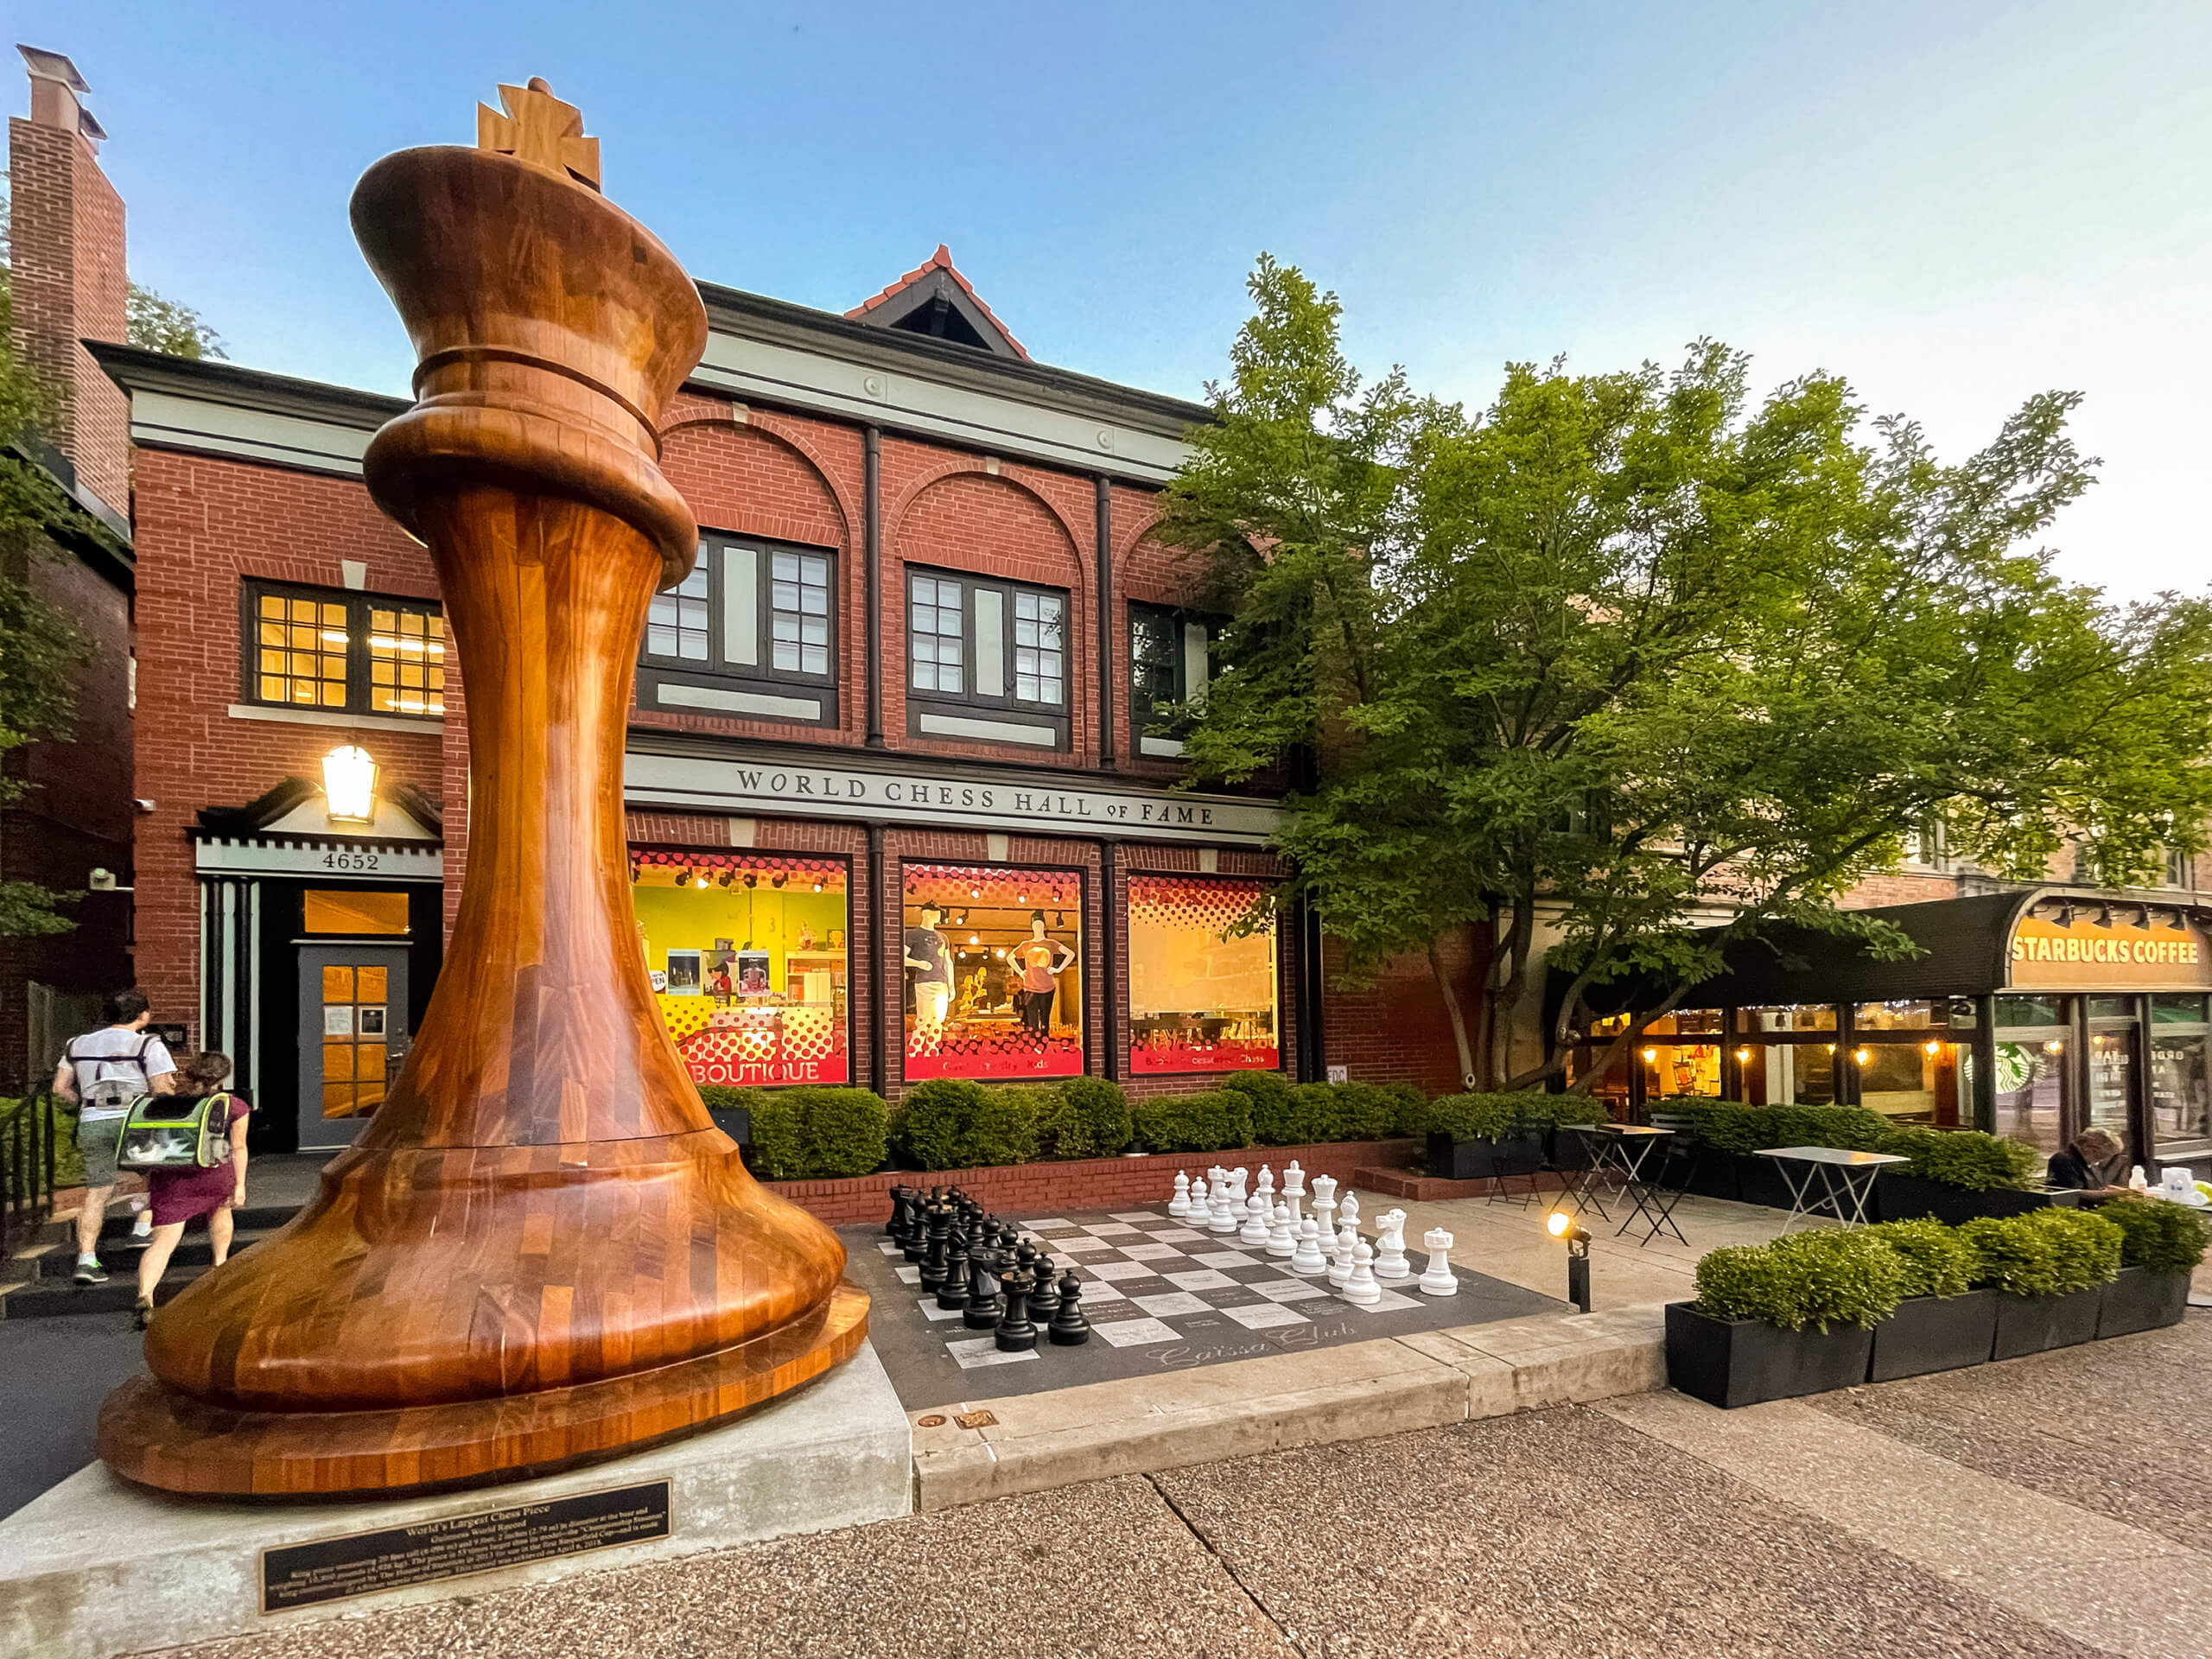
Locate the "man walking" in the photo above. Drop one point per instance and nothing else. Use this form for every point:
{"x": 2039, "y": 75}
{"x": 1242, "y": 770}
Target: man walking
{"x": 104, "y": 1071}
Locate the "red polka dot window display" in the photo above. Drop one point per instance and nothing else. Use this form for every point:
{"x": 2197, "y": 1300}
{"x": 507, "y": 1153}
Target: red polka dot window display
{"x": 993, "y": 972}
{"x": 1202, "y": 992}
{"x": 747, "y": 956}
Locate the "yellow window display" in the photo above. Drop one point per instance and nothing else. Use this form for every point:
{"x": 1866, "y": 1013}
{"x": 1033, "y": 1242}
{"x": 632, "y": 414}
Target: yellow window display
{"x": 1202, "y": 995}
{"x": 747, "y": 952}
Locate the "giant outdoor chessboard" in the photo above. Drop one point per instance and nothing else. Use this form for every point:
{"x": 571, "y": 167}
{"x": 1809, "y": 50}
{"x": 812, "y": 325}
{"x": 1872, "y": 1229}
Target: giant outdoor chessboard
{"x": 1159, "y": 1294}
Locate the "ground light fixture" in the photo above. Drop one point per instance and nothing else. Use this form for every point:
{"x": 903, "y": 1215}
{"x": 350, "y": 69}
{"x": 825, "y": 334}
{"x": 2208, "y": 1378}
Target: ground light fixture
{"x": 1559, "y": 1224}
{"x": 349, "y": 785}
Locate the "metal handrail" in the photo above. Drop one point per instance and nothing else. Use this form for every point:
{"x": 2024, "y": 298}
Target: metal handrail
{"x": 28, "y": 1155}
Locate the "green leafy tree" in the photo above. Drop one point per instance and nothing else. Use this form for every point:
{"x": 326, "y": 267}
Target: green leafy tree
{"x": 1626, "y": 658}
{"x": 160, "y": 325}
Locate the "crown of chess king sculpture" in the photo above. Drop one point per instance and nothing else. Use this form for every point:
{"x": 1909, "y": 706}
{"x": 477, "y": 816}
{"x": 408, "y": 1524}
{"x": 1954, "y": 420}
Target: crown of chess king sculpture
{"x": 540, "y": 1251}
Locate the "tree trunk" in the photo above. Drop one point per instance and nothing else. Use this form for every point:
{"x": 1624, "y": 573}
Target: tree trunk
{"x": 1467, "y": 1075}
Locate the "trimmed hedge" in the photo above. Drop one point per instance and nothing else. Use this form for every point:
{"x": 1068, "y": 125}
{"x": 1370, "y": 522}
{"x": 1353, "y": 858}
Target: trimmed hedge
{"x": 1084, "y": 1117}
{"x": 1963, "y": 1158}
{"x": 2164, "y": 1237}
{"x": 1211, "y": 1122}
{"x": 1966, "y": 1157}
{"x": 1937, "y": 1262}
{"x": 1840, "y": 1276}
{"x": 2053, "y": 1252}
{"x": 951, "y": 1124}
{"x": 1485, "y": 1117}
{"x": 818, "y": 1132}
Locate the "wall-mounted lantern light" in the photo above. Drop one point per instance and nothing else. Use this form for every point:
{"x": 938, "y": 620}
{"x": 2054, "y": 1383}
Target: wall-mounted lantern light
{"x": 349, "y": 785}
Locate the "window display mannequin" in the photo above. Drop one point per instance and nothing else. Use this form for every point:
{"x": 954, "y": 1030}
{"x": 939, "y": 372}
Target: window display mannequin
{"x": 930, "y": 960}
{"x": 1042, "y": 961}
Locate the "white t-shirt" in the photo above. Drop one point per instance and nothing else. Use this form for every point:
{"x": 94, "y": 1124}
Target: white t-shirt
{"x": 107, "y": 1053}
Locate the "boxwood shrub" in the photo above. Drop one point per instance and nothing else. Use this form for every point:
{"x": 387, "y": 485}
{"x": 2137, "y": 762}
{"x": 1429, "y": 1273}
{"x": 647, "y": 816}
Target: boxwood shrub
{"x": 2053, "y": 1252}
{"x": 2164, "y": 1237}
{"x": 818, "y": 1132}
{"x": 1082, "y": 1117}
{"x": 1211, "y": 1122}
{"x": 952, "y": 1123}
{"x": 1965, "y": 1157}
{"x": 1804, "y": 1280}
{"x": 1937, "y": 1262}
{"x": 1731, "y": 1125}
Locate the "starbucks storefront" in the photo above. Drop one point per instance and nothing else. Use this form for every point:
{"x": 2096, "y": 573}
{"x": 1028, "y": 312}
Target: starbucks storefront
{"x": 2032, "y": 1014}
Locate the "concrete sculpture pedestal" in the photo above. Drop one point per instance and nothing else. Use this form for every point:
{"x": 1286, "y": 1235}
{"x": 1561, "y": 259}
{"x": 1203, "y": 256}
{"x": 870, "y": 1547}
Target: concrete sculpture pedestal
{"x": 98, "y": 1566}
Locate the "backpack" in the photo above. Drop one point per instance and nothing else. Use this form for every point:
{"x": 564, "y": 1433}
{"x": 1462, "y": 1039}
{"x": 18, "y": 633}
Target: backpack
{"x": 111, "y": 1096}
{"x": 176, "y": 1132}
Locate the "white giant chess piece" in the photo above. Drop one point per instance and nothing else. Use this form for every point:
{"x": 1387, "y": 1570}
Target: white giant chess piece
{"x": 1307, "y": 1258}
{"x": 1222, "y": 1218}
{"x": 1360, "y": 1285}
{"x": 1259, "y": 1218}
{"x": 1390, "y": 1246}
{"x": 1180, "y": 1205}
{"x": 1324, "y": 1204}
{"x": 1267, "y": 1184}
{"x": 1438, "y": 1281}
{"x": 1348, "y": 1212}
{"x": 1240, "y": 1182}
{"x": 1195, "y": 1209}
{"x": 1282, "y": 1237}
{"x": 1340, "y": 1264}
{"x": 1294, "y": 1191}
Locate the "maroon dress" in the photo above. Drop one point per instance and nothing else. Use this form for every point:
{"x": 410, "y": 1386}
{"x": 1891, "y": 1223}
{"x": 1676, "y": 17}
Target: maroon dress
{"x": 181, "y": 1194}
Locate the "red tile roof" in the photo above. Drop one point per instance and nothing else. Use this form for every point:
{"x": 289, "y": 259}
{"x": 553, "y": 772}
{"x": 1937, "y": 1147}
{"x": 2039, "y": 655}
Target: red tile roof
{"x": 941, "y": 260}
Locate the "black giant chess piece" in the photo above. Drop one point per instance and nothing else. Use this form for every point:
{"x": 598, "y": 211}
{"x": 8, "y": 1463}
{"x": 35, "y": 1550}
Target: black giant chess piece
{"x": 1070, "y": 1329}
{"x": 897, "y": 1223}
{"x": 1044, "y": 1294}
{"x": 940, "y": 1241}
{"x": 1016, "y": 1335}
{"x": 953, "y": 1291}
{"x": 984, "y": 1306}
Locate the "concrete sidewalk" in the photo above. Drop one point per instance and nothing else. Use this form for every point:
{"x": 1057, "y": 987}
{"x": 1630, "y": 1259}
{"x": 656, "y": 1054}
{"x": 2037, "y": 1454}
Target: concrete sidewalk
{"x": 1656, "y": 1527}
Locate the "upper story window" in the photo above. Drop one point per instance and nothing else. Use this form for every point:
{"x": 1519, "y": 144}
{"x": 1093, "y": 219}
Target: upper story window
{"x": 1170, "y": 663}
{"x": 750, "y": 632}
{"x": 349, "y": 653}
{"x": 986, "y": 659}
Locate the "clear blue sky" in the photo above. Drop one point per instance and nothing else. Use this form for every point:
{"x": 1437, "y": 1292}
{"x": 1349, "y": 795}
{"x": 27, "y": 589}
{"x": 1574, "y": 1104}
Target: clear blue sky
{"x": 1954, "y": 205}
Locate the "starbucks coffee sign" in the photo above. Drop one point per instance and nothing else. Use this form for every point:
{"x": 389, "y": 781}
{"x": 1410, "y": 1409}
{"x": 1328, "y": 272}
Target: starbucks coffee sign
{"x": 2087, "y": 954}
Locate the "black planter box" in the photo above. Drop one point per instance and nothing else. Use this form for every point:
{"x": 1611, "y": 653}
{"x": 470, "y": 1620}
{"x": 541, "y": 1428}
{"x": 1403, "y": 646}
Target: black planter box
{"x": 1730, "y": 1362}
{"x": 1905, "y": 1198}
{"x": 1934, "y": 1333}
{"x": 2035, "y": 1325}
{"x": 2140, "y": 1300}
{"x": 735, "y": 1121}
{"x": 1714, "y": 1175}
{"x": 1483, "y": 1157}
{"x": 1760, "y": 1180}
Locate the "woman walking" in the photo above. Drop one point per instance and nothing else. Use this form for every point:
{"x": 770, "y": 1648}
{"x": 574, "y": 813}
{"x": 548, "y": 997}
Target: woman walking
{"x": 181, "y": 1194}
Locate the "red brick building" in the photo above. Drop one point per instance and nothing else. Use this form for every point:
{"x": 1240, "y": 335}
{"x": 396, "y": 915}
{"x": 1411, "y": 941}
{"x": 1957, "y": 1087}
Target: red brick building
{"x": 901, "y": 801}
{"x": 69, "y": 830}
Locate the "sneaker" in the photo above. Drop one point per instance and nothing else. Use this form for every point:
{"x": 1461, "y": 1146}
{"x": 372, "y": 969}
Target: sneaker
{"x": 143, "y": 1227}
{"x": 89, "y": 1271}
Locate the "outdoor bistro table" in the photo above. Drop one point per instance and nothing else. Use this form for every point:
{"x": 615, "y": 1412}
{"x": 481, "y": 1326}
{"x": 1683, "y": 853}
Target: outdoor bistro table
{"x": 1846, "y": 1178}
{"x": 1618, "y": 1152}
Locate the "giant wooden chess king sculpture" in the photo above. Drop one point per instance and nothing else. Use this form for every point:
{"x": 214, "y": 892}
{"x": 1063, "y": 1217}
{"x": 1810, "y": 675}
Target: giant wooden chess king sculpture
{"x": 541, "y": 1251}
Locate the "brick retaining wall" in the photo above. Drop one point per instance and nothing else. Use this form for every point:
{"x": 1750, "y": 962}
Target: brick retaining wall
{"x": 1083, "y": 1184}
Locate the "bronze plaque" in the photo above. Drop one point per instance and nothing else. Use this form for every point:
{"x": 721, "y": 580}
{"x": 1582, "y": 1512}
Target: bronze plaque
{"x": 391, "y": 1558}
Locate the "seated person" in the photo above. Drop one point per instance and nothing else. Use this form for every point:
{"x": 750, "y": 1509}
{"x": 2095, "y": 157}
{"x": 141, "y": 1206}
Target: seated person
{"x": 2095, "y": 1165}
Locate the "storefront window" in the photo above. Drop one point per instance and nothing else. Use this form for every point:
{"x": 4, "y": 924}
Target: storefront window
{"x": 2181, "y": 1090}
{"x": 747, "y": 953}
{"x": 2031, "y": 1011}
{"x": 353, "y": 909}
{"x": 993, "y": 972}
{"x": 1788, "y": 1074}
{"x": 2031, "y": 1087}
{"x": 2112, "y": 1062}
{"x": 1955, "y": 1012}
{"x": 1925, "y": 1082}
{"x": 1202, "y": 991}
{"x": 1803, "y": 1016}
{"x": 2177, "y": 1010}
{"x": 1682, "y": 1068}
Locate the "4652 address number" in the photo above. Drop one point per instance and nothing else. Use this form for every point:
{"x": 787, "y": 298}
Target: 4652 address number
{"x": 349, "y": 860}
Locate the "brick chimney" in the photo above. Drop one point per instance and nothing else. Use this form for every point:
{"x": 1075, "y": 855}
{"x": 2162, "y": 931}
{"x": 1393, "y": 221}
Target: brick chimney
{"x": 69, "y": 280}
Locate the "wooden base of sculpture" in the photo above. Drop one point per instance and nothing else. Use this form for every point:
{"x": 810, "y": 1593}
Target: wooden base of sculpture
{"x": 181, "y": 1445}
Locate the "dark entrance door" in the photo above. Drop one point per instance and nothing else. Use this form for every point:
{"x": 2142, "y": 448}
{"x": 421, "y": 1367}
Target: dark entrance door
{"x": 353, "y": 1036}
